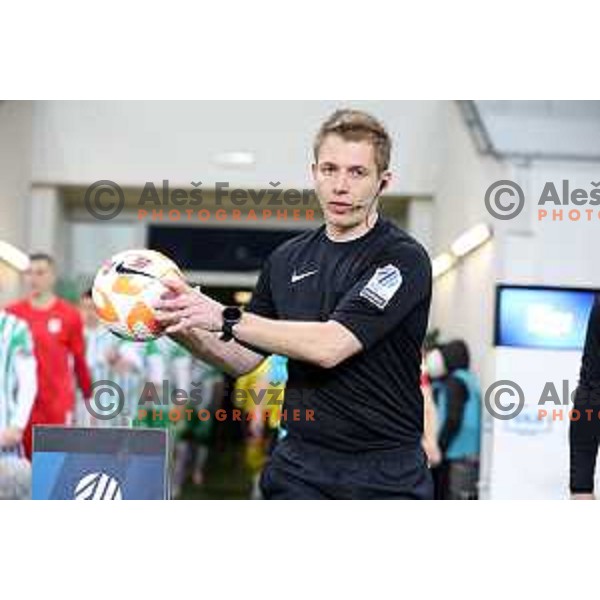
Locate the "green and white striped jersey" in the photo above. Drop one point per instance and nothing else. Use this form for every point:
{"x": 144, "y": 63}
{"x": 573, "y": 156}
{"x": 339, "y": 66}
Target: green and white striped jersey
{"x": 146, "y": 364}
{"x": 15, "y": 340}
{"x": 178, "y": 363}
{"x": 187, "y": 372}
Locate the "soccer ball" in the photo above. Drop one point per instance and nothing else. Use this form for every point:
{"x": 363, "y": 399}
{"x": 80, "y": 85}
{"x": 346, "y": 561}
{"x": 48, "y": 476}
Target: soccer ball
{"x": 125, "y": 288}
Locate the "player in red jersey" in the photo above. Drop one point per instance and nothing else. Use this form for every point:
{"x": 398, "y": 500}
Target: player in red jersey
{"x": 57, "y": 331}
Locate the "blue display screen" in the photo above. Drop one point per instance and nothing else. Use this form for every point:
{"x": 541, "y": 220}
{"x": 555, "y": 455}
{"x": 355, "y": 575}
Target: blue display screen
{"x": 549, "y": 318}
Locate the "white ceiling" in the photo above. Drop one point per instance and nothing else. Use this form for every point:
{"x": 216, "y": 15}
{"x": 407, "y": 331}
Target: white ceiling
{"x": 543, "y": 127}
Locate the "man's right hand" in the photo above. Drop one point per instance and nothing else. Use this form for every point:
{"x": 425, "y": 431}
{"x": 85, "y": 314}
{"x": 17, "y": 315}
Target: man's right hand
{"x": 182, "y": 308}
{"x": 582, "y": 497}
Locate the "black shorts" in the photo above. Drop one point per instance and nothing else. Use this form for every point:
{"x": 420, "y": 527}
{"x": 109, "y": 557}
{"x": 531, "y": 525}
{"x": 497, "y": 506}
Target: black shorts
{"x": 303, "y": 471}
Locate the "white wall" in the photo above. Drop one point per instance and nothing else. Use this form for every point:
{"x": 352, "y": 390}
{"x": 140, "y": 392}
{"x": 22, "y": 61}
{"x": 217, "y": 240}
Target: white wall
{"x": 420, "y": 219}
{"x": 134, "y": 142}
{"x": 463, "y": 300}
{"x": 15, "y": 168}
{"x": 15, "y": 178}
{"x": 528, "y": 457}
{"x": 547, "y": 252}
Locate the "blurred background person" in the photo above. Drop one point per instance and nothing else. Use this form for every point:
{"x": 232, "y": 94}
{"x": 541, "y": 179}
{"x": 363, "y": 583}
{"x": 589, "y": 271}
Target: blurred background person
{"x": 178, "y": 372}
{"x": 430, "y": 443}
{"x": 195, "y": 433}
{"x": 18, "y": 383}
{"x": 584, "y": 433}
{"x": 146, "y": 406}
{"x": 457, "y": 396}
{"x": 120, "y": 361}
{"x": 260, "y": 395}
{"x": 93, "y": 333}
{"x": 57, "y": 331}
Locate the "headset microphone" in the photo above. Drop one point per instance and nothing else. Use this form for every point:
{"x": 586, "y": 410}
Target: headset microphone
{"x": 375, "y": 197}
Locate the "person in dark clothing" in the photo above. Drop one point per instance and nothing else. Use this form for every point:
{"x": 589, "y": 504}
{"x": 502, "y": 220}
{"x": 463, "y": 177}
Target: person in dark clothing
{"x": 584, "y": 432}
{"x": 348, "y": 304}
{"x": 457, "y": 397}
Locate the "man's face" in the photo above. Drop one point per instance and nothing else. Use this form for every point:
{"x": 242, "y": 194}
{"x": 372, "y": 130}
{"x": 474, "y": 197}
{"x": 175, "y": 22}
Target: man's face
{"x": 88, "y": 312}
{"x": 40, "y": 277}
{"x": 346, "y": 180}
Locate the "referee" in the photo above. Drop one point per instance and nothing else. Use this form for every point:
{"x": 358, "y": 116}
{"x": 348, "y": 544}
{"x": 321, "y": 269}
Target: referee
{"x": 584, "y": 433}
{"x": 348, "y": 303}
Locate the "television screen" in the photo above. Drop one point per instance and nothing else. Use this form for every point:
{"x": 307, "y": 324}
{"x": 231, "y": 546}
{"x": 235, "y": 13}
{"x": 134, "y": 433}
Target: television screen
{"x": 542, "y": 317}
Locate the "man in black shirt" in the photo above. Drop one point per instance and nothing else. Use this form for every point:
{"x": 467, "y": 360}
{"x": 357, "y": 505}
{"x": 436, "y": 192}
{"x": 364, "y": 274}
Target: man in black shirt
{"x": 584, "y": 432}
{"x": 348, "y": 303}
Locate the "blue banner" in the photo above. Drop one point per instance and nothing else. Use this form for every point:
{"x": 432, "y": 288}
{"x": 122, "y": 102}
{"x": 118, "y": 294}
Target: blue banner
{"x": 99, "y": 464}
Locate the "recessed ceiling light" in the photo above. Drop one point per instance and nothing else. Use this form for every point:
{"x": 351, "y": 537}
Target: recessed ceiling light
{"x": 235, "y": 159}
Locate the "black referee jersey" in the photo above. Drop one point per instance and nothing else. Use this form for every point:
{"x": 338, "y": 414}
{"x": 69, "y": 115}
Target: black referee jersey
{"x": 379, "y": 287}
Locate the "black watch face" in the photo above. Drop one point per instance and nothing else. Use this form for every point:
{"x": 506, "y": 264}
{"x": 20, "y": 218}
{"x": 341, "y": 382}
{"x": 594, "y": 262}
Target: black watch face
{"x": 232, "y": 313}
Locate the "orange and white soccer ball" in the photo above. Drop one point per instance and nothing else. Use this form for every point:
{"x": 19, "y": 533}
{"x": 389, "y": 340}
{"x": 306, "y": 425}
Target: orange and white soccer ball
{"x": 125, "y": 288}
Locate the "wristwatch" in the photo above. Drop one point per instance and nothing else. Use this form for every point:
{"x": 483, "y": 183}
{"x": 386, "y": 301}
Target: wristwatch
{"x": 232, "y": 315}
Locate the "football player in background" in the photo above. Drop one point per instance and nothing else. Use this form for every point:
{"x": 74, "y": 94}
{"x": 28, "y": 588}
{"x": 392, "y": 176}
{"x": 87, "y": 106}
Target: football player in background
{"x": 119, "y": 361}
{"x": 57, "y": 331}
{"x": 18, "y": 383}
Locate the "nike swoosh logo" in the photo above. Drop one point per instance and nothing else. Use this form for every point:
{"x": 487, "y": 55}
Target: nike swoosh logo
{"x": 123, "y": 270}
{"x": 302, "y": 275}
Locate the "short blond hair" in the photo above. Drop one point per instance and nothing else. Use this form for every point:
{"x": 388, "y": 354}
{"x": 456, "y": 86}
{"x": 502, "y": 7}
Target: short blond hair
{"x": 357, "y": 126}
